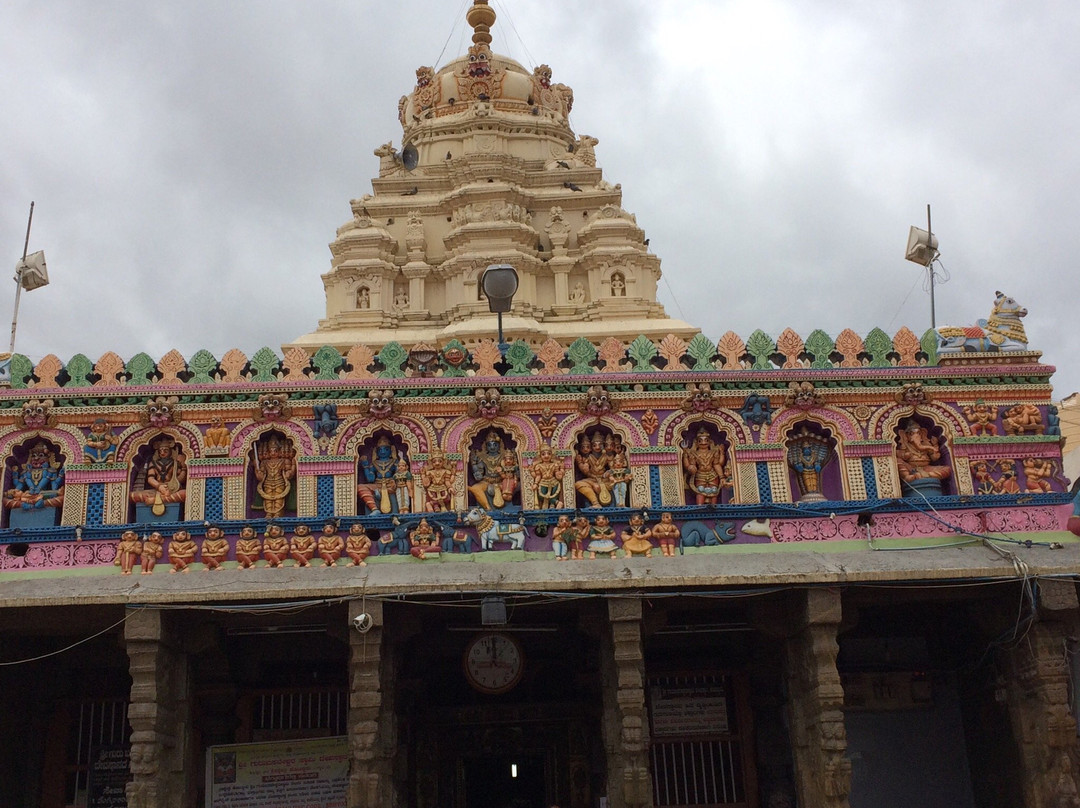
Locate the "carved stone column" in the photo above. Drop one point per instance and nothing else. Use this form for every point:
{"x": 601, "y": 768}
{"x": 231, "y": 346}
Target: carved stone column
{"x": 822, "y": 771}
{"x": 625, "y": 722}
{"x": 371, "y": 715}
{"x": 1037, "y": 693}
{"x": 161, "y": 753}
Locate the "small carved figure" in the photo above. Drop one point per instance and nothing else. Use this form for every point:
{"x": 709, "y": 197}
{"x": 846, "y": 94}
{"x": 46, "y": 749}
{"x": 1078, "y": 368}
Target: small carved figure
{"x": 401, "y": 299}
{"x": 380, "y": 404}
{"x": 1023, "y": 419}
{"x": 423, "y": 540}
{"x": 100, "y": 443}
{"x": 486, "y": 465}
{"x": 358, "y": 546}
{"x": 667, "y": 534}
{"x": 756, "y": 410}
{"x": 403, "y": 481}
{"x": 38, "y": 483}
{"x": 166, "y": 477}
{"x": 127, "y": 551}
{"x": 330, "y": 544}
{"x": 217, "y": 435}
{"x": 509, "y": 475}
{"x": 592, "y": 464}
{"x": 636, "y": 538}
{"x": 802, "y": 395}
{"x": 1007, "y": 483}
{"x": 248, "y": 548}
{"x": 36, "y": 414}
{"x": 547, "y": 423}
{"x": 275, "y": 546}
{"x": 271, "y": 407}
{"x": 602, "y": 538}
{"x": 275, "y": 467}
{"x": 705, "y": 464}
{"x": 326, "y": 420}
{"x": 152, "y": 550}
{"x": 577, "y": 294}
{"x": 620, "y": 476}
{"x": 215, "y": 548}
{"x": 650, "y": 422}
{"x": 1037, "y": 472}
{"x": 302, "y": 546}
{"x": 618, "y": 285}
{"x": 363, "y": 298}
{"x": 181, "y": 551}
{"x": 487, "y": 403}
{"x": 161, "y": 412}
{"x": 597, "y": 402}
{"x": 578, "y": 537}
{"x": 547, "y": 474}
{"x": 699, "y": 398}
{"x": 438, "y": 481}
{"x": 982, "y": 416}
{"x": 561, "y": 536}
{"x": 918, "y": 453}
{"x": 913, "y": 394}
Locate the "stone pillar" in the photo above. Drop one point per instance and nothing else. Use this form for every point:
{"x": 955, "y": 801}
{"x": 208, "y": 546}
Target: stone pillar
{"x": 1037, "y": 694}
{"x": 626, "y": 730}
{"x": 371, "y": 715}
{"x": 162, "y": 758}
{"x": 819, "y": 740}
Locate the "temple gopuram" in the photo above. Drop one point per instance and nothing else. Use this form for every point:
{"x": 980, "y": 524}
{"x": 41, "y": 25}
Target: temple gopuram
{"x": 500, "y": 533}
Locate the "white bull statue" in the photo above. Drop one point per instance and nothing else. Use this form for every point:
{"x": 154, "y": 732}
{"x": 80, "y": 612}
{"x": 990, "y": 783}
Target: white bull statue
{"x": 490, "y": 531}
{"x": 1001, "y": 331}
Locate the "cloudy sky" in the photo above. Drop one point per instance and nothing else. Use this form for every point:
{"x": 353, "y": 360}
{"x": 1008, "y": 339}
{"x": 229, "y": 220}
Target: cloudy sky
{"x": 191, "y": 161}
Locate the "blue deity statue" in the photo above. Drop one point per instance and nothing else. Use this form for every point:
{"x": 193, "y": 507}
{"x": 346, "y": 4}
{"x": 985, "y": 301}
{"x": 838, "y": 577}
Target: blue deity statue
{"x": 38, "y": 483}
{"x": 495, "y": 473}
{"x": 378, "y": 489}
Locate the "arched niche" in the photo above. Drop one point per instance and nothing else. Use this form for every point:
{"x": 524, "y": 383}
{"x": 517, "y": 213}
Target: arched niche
{"x": 706, "y": 464}
{"x": 384, "y": 481}
{"x": 923, "y": 459}
{"x": 815, "y": 473}
{"x": 492, "y": 467}
{"x": 271, "y": 474}
{"x": 34, "y": 483}
{"x": 601, "y": 468}
{"x": 157, "y": 476}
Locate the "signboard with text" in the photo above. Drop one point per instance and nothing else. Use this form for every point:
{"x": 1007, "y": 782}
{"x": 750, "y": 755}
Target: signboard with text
{"x": 110, "y": 768}
{"x": 283, "y": 774}
{"x": 688, "y": 710}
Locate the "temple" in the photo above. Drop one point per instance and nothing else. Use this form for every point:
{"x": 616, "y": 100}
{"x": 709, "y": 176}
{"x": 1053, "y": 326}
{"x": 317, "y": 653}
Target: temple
{"x": 603, "y": 561}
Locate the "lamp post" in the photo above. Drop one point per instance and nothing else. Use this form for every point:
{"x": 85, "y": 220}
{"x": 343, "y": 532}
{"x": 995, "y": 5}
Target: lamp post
{"x": 499, "y": 282}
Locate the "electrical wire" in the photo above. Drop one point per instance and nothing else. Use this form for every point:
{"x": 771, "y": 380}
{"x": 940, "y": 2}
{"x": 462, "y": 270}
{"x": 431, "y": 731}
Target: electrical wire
{"x": 74, "y": 644}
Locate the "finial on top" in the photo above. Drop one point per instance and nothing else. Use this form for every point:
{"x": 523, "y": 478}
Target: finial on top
{"x": 481, "y": 17}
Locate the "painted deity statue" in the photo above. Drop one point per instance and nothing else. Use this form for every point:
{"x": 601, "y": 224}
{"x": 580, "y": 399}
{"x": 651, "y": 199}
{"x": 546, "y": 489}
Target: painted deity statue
{"x": 602, "y": 538}
{"x": 331, "y": 545}
{"x": 378, "y": 472}
{"x": 181, "y": 552}
{"x": 302, "y": 546}
{"x": 918, "y": 455}
{"x": 620, "y": 475}
{"x": 275, "y": 468}
{"x": 38, "y": 483}
{"x": 403, "y": 480}
{"x": 166, "y": 477}
{"x": 592, "y": 463}
{"x": 100, "y": 444}
{"x": 561, "y": 537}
{"x": 547, "y": 474}
{"x": 423, "y": 540}
{"x": 807, "y": 455}
{"x": 248, "y": 547}
{"x": 705, "y": 463}
{"x": 636, "y": 538}
{"x": 217, "y": 436}
{"x": 438, "y": 480}
{"x": 357, "y": 546}
{"x": 128, "y": 551}
{"x": 215, "y": 548}
{"x": 667, "y": 534}
{"x": 494, "y": 477}
{"x": 275, "y": 546}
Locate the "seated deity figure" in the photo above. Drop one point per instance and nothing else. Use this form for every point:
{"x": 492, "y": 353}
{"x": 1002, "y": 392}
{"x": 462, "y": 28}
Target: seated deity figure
{"x": 495, "y": 476}
{"x": 38, "y": 483}
{"x": 378, "y": 474}
{"x": 275, "y": 468}
{"x": 438, "y": 480}
{"x": 100, "y": 443}
{"x": 918, "y": 457}
{"x": 592, "y": 463}
{"x": 165, "y": 477}
{"x": 704, "y": 463}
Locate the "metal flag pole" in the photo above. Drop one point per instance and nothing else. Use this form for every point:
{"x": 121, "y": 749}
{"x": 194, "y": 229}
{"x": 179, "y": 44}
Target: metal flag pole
{"x": 18, "y": 280}
{"x": 930, "y": 266}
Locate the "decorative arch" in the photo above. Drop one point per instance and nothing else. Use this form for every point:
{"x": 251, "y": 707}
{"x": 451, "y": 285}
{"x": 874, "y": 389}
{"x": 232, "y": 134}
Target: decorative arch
{"x": 883, "y": 425}
{"x": 67, "y": 437}
{"x": 524, "y": 431}
{"x": 835, "y": 420}
{"x": 135, "y": 437}
{"x": 724, "y": 420}
{"x": 247, "y": 432}
{"x": 417, "y": 434}
{"x": 631, "y": 431}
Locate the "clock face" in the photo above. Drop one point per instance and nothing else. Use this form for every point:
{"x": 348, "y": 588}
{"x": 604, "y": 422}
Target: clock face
{"x": 493, "y": 663}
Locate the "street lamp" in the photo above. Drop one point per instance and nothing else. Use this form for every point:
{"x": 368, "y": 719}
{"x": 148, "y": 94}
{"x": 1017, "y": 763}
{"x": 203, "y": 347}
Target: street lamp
{"x": 499, "y": 282}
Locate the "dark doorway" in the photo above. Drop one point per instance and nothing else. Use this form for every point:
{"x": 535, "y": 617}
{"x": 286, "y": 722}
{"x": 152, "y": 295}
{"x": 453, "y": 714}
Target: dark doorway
{"x": 504, "y": 781}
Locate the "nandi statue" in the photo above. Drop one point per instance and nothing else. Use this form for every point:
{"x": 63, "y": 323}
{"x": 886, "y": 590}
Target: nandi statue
{"x": 490, "y": 530}
{"x": 1002, "y": 331}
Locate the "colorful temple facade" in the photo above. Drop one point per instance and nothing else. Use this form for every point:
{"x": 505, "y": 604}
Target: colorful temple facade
{"x": 610, "y": 555}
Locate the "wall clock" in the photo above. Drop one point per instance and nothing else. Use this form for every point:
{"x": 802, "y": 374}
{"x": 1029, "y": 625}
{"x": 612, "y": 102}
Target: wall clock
{"x": 493, "y": 662}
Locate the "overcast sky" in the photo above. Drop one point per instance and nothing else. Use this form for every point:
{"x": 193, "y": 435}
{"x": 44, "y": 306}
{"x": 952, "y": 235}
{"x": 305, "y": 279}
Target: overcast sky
{"x": 190, "y": 161}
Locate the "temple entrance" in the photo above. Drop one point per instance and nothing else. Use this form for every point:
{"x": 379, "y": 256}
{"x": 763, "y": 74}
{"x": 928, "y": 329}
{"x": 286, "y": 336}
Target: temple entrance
{"x": 505, "y": 781}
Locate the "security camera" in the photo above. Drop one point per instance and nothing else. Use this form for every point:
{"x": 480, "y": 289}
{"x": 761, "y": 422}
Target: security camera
{"x": 363, "y": 622}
